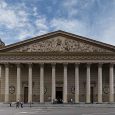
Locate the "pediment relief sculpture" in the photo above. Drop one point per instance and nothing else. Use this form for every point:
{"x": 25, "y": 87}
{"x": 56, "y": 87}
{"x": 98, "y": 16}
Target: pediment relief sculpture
{"x": 60, "y": 44}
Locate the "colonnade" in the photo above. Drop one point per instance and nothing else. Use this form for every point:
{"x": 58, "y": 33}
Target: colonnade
{"x": 65, "y": 76}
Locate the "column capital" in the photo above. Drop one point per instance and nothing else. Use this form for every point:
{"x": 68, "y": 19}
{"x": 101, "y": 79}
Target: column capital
{"x": 6, "y": 64}
{"x": 18, "y": 64}
{"x": 30, "y": 64}
{"x": 77, "y": 63}
{"x": 65, "y": 64}
{"x": 111, "y": 64}
{"x": 53, "y": 64}
{"x": 41, "y": 64}
{"x": 100, "y": 63}
{"x": 89, "y": 64}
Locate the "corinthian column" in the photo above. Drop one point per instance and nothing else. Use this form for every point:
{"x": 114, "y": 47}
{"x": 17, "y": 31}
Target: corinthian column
{"x": 53, "y": 82}
{"x": 41, "y": 83}
{"x": 6, "y": 83}
{"x": 99, "y": 83}
{"x": 0, "y": 71}
{"x": 88, "y": 84}
{"x": 76, "y": 83}
{"x": 18, "y": 82}
{"x": 111, "y": 84}
{"x": 30, "y": 84}
{"x": 65, "y": 84}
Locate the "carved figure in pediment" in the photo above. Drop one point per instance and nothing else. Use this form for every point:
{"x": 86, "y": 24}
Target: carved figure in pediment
{"x": 57, "y": 45}
{"x": 60, "y": 44}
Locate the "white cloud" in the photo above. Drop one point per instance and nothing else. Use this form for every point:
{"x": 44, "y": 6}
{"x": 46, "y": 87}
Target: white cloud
{"x": 99, "y": 24}
{"x": 18, "y": 20}
{"x": 103, "y": 29}
{"x": 41, "y": 32}
{"x": 3, "y": 4}
{"x": 11, "y": 17}
{"x": 70, "y": 7}
{"x": 22, "y": 35}
{"x": 35, "y": 12}
{"x": 74, "y": 26}
{"x": 8, "y": 18}
{"x": 41, "y": 23}
{"x": 107, "y": 31}
{"x": 74, "y": 7}
{"x": 70, "y": 4}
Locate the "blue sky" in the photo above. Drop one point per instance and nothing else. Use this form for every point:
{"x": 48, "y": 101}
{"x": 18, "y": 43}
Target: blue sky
{"x": 23, "y": 19}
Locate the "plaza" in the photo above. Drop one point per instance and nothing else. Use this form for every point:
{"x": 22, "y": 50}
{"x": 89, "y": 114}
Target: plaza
{"x": 50, "y": 109}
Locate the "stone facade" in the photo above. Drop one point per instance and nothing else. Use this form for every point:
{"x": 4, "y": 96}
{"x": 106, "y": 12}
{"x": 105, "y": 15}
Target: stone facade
{"x": 57, "y": 65}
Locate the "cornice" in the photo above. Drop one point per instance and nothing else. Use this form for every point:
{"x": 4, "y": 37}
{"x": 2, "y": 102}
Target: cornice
{"x": 72, "y": 57}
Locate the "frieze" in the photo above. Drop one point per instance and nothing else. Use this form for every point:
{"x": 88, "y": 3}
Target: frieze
{"x": 78, "y": 57}
{"x": 60, "y": 44}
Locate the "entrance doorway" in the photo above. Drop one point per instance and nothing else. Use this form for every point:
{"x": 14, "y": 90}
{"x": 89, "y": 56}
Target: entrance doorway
{"x": 59, "y": 94}
{"x": 25, "y": 94}
{"x": 92, "y": 94}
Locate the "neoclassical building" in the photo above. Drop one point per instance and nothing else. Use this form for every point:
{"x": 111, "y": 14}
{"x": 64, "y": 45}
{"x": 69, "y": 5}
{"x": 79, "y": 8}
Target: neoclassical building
{"x": 57, "y": 65}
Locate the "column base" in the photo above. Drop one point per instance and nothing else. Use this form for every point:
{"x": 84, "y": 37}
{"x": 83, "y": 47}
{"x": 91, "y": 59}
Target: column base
{"x": 111, "y": 102}
{"x": 42, "y": 102}
{"x": 99, "y": 103}
{"x": 76, "y": 103}
{"x": 6, "y": 102}
{"x": 65, "y": 103}
{"x": 88, "y": 103}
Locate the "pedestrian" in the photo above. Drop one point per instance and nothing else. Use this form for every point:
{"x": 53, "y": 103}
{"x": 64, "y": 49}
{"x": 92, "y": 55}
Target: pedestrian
{"x": 71, "y": 100}
{"x": 21, "y": 104}
{"x": 10, "y": 104}
{"x": 17, "y": 103}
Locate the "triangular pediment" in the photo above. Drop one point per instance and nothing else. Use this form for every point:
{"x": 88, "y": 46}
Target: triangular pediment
{"x": 59, "y": 42}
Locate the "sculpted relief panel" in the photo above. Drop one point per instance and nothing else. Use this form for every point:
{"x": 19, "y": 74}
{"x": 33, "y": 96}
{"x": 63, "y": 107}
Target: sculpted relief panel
{"x": 59, "y": 44}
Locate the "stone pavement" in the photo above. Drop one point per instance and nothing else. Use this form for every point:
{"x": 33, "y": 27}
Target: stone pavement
{"x": 59, "y": 109}
{"x": 50, "y": 105}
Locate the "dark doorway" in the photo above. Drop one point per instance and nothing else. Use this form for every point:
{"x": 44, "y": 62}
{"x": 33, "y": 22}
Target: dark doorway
{"x": 92, "y": 95}
{"x": 25, "y": 94}
{"x": 59, "y": 94}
